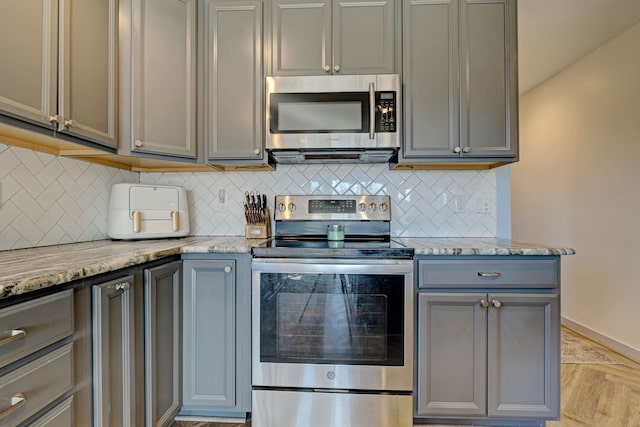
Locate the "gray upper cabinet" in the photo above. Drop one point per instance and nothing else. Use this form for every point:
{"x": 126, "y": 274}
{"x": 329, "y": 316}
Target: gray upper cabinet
{"x": 64, "y": 76}
{"x": 163, "y": 343}
{"x": 231, "y": 79}
{"x": 158, "y": 77}
{"x": 332, "y": 37}
{"x": 217, "y": 336}
{"x": 460, "y": 80}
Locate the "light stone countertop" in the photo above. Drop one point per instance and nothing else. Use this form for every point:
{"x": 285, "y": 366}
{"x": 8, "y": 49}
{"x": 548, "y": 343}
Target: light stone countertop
{"x": 479, "y": 246}
{"x": 26, "y": 270}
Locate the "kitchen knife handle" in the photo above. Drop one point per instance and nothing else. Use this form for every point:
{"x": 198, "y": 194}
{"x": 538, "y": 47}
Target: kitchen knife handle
{"x": 372, "y": 110}
{"x": 137, "y": 221}
{"x": 175, "y": 216}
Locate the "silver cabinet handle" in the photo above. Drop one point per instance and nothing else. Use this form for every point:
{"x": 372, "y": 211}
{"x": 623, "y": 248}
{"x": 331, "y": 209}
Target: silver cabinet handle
{"x": 138, "y": 143}
{"x": 466, "y": 149}
{"x": 326, "y": 68}
{"x": 256, "y": 151}
{"x": 227, "y": 269}
{"x": 372, "y": 110}
{"x": 484, "y": 303}
{"x": 494, "y": 274}
{"x": 14, "y": 335}
{"x": 70, "y": 123}
{"x": 336, "y": 68}
{"x": 17, "y": 401}
{"x": 119, "y": 288}
{"x": 496, "y": 303}
{"x": 55, "y": 120}
{"x": 457, "y": 150}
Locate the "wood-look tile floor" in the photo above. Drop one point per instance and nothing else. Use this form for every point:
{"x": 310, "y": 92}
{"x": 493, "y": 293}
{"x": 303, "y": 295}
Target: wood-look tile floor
{"x": 592, "y": 395}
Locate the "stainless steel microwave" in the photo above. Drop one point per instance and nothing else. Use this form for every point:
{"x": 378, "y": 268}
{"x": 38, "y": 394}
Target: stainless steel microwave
{"x": 333, "y": 119}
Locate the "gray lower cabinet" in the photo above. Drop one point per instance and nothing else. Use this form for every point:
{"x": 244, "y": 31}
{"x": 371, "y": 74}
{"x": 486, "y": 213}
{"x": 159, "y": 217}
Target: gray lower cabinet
{"x": 217, "y": 335}
{"x": 59, "y": 67}
{"x": 489, "y": 350}
{"x": 460, "y": 81}
{"x": 157, "y": 72}
{"x": 230, "y": 39}
{"x": 163, "y": 343}
{"x": 115, "y": 397}
{"x": 331, "y": 37}
{"x": 36, "y": 361}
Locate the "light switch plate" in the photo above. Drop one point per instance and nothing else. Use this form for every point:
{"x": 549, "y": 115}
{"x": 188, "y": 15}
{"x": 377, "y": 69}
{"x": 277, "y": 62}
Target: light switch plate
{"x": 482, "y": 205}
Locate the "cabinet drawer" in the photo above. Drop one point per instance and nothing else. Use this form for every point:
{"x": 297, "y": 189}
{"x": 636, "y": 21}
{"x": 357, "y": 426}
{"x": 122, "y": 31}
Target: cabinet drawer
{"x": 60, "y": 416}
{"x": 490, "y": 273}
{"x": 28, "y": 389}
{"x": 35, "y": 324}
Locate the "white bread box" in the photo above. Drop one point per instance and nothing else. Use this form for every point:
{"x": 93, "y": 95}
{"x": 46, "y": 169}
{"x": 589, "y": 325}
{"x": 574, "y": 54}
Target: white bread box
{"x": 138, "y": 211}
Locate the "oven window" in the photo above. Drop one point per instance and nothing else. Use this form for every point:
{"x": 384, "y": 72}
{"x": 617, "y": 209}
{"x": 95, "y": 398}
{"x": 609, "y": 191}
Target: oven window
{"x": 332, "y": 318}
{"x": 319, "y": 112}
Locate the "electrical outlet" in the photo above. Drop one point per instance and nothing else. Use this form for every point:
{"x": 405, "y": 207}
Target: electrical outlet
{"x": 459, "y": 204}
{"x": 220, "y": 204}
{"x": 482, "y": 205}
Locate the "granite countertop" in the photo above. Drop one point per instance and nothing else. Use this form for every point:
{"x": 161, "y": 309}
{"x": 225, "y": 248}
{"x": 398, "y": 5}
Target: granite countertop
{"x": 26, "y": 270}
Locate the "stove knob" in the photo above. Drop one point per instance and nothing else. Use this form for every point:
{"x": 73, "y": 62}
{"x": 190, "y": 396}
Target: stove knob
{"x": 362, "y": 207}
{"x": 372, "y": 207}
{"x": 282, "y": 207}
{"x": 383, "y": 207}
{"x": 292, "y": 207}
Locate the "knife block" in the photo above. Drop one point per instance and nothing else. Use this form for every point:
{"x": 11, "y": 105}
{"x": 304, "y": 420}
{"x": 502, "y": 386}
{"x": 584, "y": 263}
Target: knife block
{"x": 261, "y": 230}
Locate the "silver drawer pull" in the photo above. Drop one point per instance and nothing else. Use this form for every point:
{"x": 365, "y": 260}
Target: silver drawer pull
{"x": 14, "y": 335}
{"x": 494, "y": 274}
{"x": 119, "y": 288}
{"x": 17, "y": 402}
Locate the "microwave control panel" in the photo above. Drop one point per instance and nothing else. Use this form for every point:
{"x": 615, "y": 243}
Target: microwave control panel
{"x": 386, "y": 111}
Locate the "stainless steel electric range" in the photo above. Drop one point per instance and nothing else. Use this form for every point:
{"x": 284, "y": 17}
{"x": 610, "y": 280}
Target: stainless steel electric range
{"x": 332, "y": 317}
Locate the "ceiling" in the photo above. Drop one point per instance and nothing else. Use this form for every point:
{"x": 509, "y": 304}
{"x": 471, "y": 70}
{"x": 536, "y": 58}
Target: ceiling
{"x": 553, "y": 34}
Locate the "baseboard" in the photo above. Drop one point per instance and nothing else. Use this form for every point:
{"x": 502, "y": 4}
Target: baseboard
{"x": 621, "y": 348}
{"x": 204, "y": 419}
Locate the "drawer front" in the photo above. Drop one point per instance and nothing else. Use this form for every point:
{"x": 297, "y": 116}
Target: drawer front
{"x": 35, "y": 324}
{"x": 60, "y": 416}
{"x": 490, "y": 273}
{"x": 30, "y": 388}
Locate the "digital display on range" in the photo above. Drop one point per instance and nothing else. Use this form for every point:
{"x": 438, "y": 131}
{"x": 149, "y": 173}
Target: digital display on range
{"x": 332, "y": 206}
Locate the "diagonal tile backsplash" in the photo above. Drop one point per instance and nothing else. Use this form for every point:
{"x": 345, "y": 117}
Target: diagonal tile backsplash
{"x": 424, "y": 203}
{"x": 48, "y": 200}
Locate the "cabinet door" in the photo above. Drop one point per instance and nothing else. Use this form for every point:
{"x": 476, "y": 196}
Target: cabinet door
{"x": 451, "y": 363}
{"x": 29, "y": 48}
{"x": 300, "y": 37}
{"x": 88, "y": 36}
{"x": 490, "y": 90}
{"x": 524, "y": 356}
{"x": 209, "y": 335}
{"x": 364, "y": 36}
{"x": 113, "y": 353}
{"x": 431, "y": 82}
{"x": 163, "y": 344}
{"x": 163, "y": 88}
{"x": 231, "y": 39}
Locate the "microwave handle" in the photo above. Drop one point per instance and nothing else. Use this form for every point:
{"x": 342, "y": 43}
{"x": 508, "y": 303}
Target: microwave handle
{"x": 372, "y": 110}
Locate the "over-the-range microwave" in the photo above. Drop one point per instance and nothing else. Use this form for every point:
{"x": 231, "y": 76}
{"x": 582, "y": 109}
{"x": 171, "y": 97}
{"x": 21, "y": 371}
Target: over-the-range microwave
{"x": 333, "y": 119}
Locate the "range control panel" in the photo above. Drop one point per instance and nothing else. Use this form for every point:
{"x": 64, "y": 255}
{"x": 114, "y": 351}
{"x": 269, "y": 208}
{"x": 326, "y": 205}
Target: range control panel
{"x": 362, "y": 207}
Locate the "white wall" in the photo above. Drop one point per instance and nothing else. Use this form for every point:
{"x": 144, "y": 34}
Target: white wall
{"x": 577, "y": 185}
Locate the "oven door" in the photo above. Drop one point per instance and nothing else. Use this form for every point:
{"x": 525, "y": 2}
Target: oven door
{"x": 328, "y": 324}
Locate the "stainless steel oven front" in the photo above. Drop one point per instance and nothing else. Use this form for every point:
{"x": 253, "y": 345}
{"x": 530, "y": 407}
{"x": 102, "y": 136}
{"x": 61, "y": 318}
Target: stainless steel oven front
{"x": 332, "y": 335}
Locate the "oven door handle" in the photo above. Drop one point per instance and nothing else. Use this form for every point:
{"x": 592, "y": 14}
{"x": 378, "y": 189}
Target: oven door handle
{"x": 294, "y": 276}
{"x": 372, "y": 110}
